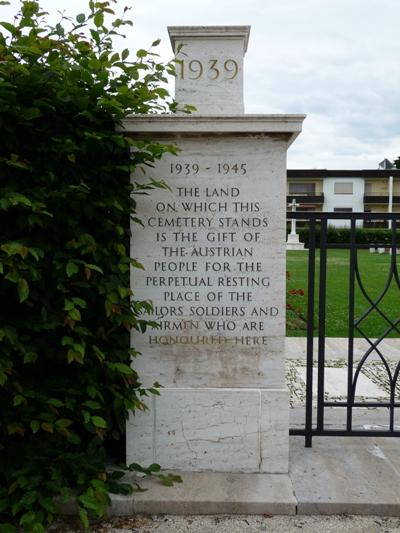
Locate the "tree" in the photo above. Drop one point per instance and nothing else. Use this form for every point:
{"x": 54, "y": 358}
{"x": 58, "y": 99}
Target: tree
{"x": 397, "y": 163}
{"x": 66, "y": 200}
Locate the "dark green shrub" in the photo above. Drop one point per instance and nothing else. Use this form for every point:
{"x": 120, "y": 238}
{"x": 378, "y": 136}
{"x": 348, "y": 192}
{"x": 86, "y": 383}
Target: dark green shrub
{"x": 370, "y": 236}
{"x": 66, "y": 384}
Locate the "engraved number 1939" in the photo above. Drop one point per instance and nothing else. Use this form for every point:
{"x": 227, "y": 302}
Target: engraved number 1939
{"x": 213, "y": 69}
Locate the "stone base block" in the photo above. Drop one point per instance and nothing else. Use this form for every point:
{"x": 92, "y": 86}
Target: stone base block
{"x": 215, "y": 430}
{"x": 295, "y": 246}
{"x": 210, "y": 493}
{"x": 293, "y": 242}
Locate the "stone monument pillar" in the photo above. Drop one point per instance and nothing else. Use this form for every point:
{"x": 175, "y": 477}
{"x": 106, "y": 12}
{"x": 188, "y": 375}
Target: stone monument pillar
{"x": 214, "y": 255}
{"x": 210, "y": 67}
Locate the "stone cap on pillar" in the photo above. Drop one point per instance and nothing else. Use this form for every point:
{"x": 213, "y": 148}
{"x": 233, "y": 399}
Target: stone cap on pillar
{"x": 209, "y": 67}
{"x": 286, "y": 127}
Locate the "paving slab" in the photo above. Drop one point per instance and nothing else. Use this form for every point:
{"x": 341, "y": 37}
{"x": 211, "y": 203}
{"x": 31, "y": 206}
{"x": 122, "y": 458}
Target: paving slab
{"x": 338, "y": 475}
{"x": 337, "y": 347}
{"x": 389, "y": 450}
{"x": 336, "y": 383}
{"x": 373, "y": 418}
{"x": 346, "y": 475}
{"x": 212, "y": 493}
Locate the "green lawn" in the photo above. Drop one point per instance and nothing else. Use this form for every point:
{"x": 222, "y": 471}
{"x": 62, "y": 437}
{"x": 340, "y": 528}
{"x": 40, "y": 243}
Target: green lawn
{"x": 374, "y": 270}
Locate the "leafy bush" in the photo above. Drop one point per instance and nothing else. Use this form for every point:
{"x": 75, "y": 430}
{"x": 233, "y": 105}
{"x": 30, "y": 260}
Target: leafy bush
{"x": 66, "y": 200}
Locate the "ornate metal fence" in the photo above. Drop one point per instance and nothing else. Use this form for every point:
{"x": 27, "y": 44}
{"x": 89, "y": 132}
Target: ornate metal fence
{"x": 316, "y": 319}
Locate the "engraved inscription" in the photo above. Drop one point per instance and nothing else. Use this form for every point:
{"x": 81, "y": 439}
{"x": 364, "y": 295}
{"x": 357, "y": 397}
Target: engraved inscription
{"x": 213, "y": 69}
{"x": 191, "y": 169}
{"x": 209, "y": 278}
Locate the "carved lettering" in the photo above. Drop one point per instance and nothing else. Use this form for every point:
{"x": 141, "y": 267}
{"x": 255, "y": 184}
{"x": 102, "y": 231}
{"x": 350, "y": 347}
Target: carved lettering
{"x": 213, "y": 69}
{"x": 209, "y": 273}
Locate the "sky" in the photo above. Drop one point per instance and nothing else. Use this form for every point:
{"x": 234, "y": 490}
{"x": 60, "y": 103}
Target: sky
{"x": 337, "y": 61}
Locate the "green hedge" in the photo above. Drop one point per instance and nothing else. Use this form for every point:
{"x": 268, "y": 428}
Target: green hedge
{"x": 372, "y": 236}
{"x": 66, "y": 203}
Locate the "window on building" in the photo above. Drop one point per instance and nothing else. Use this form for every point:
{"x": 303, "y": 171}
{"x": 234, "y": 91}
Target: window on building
{"x": 343, "y": 209}
{"x": 343, "y": 188}
{"x": 368, "y": 188}
{"x": 302, "y": 188}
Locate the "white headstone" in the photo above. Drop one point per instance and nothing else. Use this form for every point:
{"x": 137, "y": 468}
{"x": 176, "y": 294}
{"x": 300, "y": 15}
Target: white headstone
{"x": 293, "y": 241}
{"x": 214, "y": 255}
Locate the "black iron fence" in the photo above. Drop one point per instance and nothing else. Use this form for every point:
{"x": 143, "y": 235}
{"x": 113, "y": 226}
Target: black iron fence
{"x": 316, "y": 312}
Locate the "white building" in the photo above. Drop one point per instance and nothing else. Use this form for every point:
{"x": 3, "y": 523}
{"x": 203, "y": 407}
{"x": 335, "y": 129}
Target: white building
{"x": 343, "y": 195}
{"x": 376, "y": 191}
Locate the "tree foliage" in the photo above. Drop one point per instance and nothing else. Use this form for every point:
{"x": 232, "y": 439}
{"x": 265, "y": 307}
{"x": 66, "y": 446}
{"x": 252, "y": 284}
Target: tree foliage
{"x": 66, "y": 384}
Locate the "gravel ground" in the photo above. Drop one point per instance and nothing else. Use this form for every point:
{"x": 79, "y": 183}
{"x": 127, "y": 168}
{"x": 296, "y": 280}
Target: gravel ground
{"x": 242, "y": 524}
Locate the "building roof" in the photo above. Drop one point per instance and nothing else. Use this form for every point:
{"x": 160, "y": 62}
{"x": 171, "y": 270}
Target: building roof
{"x": 386, "y": 164}
{"x": 325, "y": 173}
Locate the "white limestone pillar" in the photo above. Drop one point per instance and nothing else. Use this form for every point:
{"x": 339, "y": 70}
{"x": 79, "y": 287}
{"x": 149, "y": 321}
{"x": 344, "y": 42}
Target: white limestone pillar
{"x": 214, "y": 255}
